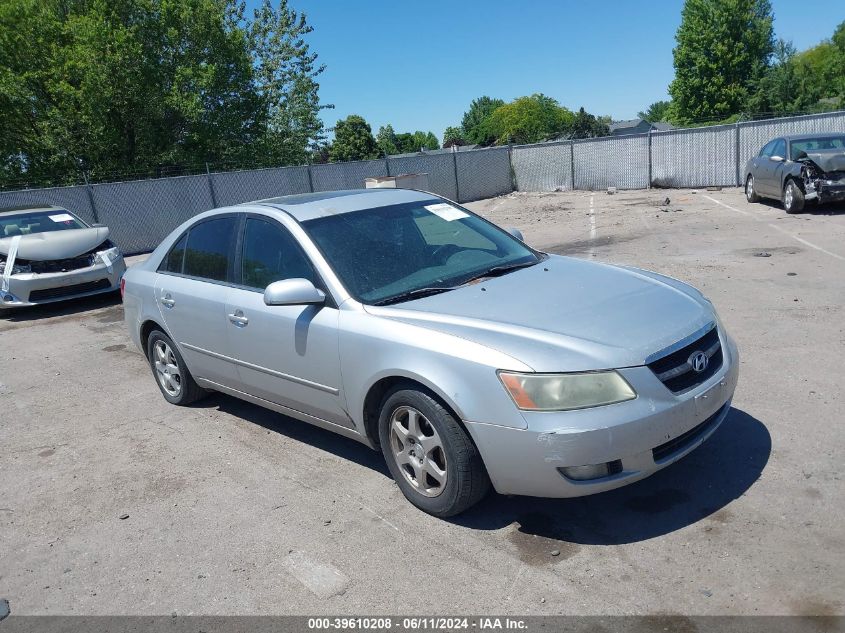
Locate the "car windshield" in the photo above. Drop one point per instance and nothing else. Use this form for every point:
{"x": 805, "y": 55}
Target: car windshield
{"x": 389, "y": 254}
{"x": 27, "y": 222}
{"x": 812, "y": 144}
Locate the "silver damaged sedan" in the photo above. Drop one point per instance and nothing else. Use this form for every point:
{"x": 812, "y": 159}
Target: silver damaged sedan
{"x": 49, "y": 254}
{"x": 410, "y": 324}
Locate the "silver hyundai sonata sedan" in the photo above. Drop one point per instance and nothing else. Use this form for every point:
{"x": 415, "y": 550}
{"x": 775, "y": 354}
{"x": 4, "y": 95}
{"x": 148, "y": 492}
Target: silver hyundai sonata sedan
{"x": 406, "y": 322}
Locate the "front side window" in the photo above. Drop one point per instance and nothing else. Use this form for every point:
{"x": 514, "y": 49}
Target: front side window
{"x": 393, "y": 253}
{"x": 779, "y": 148}
{"x": 767, "y": 149}
{"x": 210, "y": 248}
{"x": 270, "y": 253}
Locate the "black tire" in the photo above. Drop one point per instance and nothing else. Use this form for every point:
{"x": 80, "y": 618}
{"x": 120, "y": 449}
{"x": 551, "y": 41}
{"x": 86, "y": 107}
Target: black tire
{"x": 466, "y": 480}
{"x": 750, "y": 194}
{"x": 793, "y": 197}
{"x": 189, "y": 391}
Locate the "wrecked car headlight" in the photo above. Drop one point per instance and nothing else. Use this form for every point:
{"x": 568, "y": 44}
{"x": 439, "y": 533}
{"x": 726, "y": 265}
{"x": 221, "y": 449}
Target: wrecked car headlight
{"x": 562, "y": 392}
{"x": 107, "y": 256}
{"x": 16, "y": 268}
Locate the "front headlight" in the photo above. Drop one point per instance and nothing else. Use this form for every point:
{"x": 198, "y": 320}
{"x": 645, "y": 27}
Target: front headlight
{"x": 562, "y": 392}
{"x": 109, "y": 256}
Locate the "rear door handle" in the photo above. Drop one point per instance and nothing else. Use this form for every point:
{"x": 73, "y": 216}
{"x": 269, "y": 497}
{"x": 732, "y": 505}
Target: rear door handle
{"x": 238, "y": 318}
{"x": 167, "y": 301}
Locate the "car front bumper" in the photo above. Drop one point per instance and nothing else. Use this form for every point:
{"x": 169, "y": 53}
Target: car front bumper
{"x": 30, "y": 289}
{"x": 831, "y": 192}
{"x": 645, "y": 435}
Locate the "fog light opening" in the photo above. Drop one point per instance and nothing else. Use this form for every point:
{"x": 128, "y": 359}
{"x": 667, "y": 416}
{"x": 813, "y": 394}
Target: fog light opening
{"x": 592, "y": 471}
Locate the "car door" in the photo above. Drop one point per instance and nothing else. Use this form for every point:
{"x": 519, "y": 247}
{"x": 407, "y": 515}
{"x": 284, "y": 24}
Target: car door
{"x": 191, "y": 290}
{"x": 765, "y": 182}
{"x": 288, "y": 355}
{"x": 778, "y": 166}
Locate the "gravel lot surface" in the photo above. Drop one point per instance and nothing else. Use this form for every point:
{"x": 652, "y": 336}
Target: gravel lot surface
{"x": 236, "y": 510}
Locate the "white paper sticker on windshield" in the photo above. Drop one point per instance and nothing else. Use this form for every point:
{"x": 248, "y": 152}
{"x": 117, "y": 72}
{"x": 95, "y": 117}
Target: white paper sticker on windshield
{"x": 446, "y": 211}
{"x": 62, "y": 217}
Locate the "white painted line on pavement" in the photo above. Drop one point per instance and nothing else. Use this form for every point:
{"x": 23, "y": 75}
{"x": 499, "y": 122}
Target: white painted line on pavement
{"x": 727, "y": 206}
{"x": 805, "y": 242}
{"x": 778, "y": 228}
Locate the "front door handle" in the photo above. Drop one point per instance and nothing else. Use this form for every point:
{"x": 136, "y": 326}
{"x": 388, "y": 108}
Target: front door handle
{"x": 238, "y": 318}
{"x": 167, "y": 301}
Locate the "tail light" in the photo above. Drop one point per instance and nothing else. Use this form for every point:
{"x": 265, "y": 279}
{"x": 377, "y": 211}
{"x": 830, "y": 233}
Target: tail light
{"x": 122, "y": 287}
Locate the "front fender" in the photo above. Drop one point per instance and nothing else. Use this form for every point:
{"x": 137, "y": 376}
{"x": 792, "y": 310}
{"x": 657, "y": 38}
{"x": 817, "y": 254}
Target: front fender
{"x": 461, "y": 372}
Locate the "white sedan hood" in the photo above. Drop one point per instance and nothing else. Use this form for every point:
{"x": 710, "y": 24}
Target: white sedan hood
{"x": 56, "y": 244}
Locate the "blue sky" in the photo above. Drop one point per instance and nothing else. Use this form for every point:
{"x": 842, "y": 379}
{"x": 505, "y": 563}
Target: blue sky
{"x": 417, "y": 65}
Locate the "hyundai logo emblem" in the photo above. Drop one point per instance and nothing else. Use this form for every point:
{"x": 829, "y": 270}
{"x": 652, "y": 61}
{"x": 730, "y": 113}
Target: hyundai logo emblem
{"x": 698, "y": 361}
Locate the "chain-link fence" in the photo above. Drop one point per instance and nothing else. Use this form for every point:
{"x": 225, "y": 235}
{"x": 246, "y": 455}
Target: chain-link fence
{"x": 140, "y": 213}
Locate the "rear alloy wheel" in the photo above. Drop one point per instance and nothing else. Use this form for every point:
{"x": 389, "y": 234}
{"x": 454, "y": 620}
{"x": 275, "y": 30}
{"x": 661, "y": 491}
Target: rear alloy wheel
{"x": 171, "y": 374}
{"x": 750, "y": 194}
{"x": 793, "y": 197}
{"x": 430, "y": 455}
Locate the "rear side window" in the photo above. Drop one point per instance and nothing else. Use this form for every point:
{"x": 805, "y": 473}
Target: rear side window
{"x": 172, "y": 263}
{"x": 210, "y": 249}
{"x": 270, "y": 253}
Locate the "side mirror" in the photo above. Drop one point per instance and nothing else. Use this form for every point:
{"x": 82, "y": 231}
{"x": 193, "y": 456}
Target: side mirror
{"x": 777, "y": 159}
{"x": 516, "y": 233}
{"x": 291, "y": 292}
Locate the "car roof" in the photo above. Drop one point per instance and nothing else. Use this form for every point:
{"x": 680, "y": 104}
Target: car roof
{"x": 802, "y": 137}
{"x": 20, "y": 208}
{"x": 308, "y": 206}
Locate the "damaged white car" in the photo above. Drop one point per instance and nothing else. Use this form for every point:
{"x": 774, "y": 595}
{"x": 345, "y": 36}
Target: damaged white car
{"x": 49, "y": 254}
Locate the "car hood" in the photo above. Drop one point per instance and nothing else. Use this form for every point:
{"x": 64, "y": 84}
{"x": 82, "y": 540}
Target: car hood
{"x": 56, "y": 244}
{"x": 828, "y": 159}
{"x": 565, "y": 314}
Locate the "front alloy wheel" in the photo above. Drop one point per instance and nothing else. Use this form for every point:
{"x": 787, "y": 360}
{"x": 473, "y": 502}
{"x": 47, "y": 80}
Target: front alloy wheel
{"x": 793, "y": 197}
{"x": 418, "y": 451}
{"x": 429, "y": 453}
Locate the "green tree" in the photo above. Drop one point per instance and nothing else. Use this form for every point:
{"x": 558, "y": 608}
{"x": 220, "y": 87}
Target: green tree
{"x": 425, "y": 140}
{"x": 386, "y": 140}
{"x": 453, "y": 135}
{"x": 286, "y": 74}
{"x": 475, "y": 122}
{"x": 776, "y": 92}
{"x": 723, "y": 47}
{"x": 151, "y": 86}
{"x": 353, "y": 140}
{"x": 586, "y": 125}
{"x": 529, "y": 120}
{"x": 657, "y": 111}
{"x": 408, "y": 142}
{"x": 807, "y": 81}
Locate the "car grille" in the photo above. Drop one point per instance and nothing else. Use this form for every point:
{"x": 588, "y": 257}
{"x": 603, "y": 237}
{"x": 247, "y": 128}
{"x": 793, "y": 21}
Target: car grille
{"x": 62, "y": 265}
{"x": 684, "y": 440}
{"x": 675, "y": 370}
{"x": 67, "y": 291}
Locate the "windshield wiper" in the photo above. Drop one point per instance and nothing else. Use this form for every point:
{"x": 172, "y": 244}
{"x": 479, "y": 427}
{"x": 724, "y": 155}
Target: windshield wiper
{"x": 433, "y": 290}
{"x": 416, "y": 293}
{"x": 496, "y": 271}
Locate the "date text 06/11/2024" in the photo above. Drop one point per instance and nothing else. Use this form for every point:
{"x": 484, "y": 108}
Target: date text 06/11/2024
{"x": 418, "y": 623}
